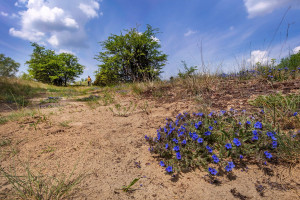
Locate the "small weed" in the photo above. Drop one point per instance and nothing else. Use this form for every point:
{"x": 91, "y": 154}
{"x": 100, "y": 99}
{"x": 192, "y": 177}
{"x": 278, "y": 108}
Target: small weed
{"x": 65, "y": 123}
{"x": 89, "y": 98}
{"x": 3, "y": 120}
{"x": 107, "y": 98}
{"x": 50, "y": 100}
{"x": 48, "y": 149}
{"x": 128, "y": 187}
{"x": 145, "y": 108}
{"x": 123, "y": 111}
{"x": 5, "y": 142}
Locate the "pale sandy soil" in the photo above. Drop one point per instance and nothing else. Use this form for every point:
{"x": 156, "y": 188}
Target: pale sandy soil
{"x": 107, "y": 149}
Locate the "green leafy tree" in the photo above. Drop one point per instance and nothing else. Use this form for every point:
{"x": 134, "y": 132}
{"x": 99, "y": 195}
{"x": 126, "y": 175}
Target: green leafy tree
{"x": 8, "y": 67}
{"x": 130, "y": 57}
{"x": 292, "y": 62}
{"x": 48, "y": 67}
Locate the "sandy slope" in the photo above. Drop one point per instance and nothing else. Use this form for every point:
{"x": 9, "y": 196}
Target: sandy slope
{"x": 111, "y": 151}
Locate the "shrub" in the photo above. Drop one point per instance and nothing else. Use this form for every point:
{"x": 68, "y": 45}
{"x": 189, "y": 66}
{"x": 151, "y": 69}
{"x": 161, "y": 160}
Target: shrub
{"x": 218, "y": 141}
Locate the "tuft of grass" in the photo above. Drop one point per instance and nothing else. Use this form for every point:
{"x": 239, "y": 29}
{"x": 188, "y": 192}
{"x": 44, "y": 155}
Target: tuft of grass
{"x": 280, "y": 109}
{"x": 123, "y": 111}
{"x": 5, "y": 142}
{"x": 65, "y": 123}
{"x": 37, "y": 186}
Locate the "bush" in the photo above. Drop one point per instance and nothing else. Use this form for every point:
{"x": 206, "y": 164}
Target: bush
{"x": 218, "y": 141}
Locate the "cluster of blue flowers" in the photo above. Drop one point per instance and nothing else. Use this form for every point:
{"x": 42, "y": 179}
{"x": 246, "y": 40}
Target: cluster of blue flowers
{"x": 196, "y": 134}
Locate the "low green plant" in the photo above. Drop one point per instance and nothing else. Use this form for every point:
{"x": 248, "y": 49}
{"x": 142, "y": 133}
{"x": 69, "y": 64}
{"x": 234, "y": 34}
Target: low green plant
{"x": 37, "y": 186}
{"x": 280, "y": 108}
{"x": 3, "y": 120}
{"x": 145, "y": 108}
{"x": 48, "y": 149}
{"x": 123, "y": 111}
{"x": 220, "y": 140}
{"x": 128, "y": 187}
{"x": 5, "y": 142}
{"x": 65, "y": 123}
{"x": 50, "y": 100}
{"x": 107, "y": 98}
{"x": 89, "y": 98}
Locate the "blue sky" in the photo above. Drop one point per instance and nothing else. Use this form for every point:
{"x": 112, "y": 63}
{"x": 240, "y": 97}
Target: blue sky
{"x": 231, "y": 33}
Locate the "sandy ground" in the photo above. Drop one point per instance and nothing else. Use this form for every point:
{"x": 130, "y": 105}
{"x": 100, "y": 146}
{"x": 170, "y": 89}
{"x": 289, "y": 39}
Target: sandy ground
{"x": 111, "y": 151}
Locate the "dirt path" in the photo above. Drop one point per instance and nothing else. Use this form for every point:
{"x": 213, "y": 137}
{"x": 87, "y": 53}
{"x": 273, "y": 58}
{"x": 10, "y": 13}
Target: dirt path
{"x": 111, "y": 151}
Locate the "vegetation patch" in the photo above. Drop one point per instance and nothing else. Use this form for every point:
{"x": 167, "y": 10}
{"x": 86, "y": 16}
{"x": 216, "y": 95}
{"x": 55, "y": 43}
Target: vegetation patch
{"x": 221, "y": 141}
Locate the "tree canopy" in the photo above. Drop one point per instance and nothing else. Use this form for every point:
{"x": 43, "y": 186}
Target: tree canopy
{"x": 48, "y": 67}
{"x": 292, "y": 62}
{"x": 130, "y": 57}
{"x": 8, "y": 67}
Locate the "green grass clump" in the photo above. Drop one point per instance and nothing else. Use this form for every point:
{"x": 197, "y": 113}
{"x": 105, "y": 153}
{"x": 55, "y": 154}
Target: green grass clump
{"x": 280, "y": 109}
{"x": 220, "y": 141}
{"x": 89, "y": 98}
{"x": 40, "y": 187}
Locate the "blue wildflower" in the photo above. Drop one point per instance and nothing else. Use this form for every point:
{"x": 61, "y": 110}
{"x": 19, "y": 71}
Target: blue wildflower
{"x": 176, "y": 148}
{"x": 162, "y": 163}
{"x": 212, "y": 171}
{"x": 195, "y": 136}
{"x": 215, "y": 122}
{"x": 197, "y": 125}
{"x": 295, "y": 113}
{"x": 183, "y": 142}
{"x": 274, "y": 144}
{"x": 241, "y": 156}
{"x": 169, "y": 169}
{"x": 200, "y": 140}
{"x": 255, "y": 137}
{"x": 236, "y": 142}
{"x": 167, "y": 146}
{"x": 210, "y": 128}
{"x": 178, "y": 156}
{"x": 230, "y": 166}
{"x": 268, "y": 155}
{"x": 209, "y": 149}
{"x": 262, "y": 111}
{"x": 228, "y": 146}
{"x": 248, "y": 122}
{"x": 176, "y": 141}
{"x": 146, "y": 137}
{"x": 215, "y": 158}
{"x": 222, "y": 112}
{"x": 207, "y": 133}
{"x": 258, "y": 125}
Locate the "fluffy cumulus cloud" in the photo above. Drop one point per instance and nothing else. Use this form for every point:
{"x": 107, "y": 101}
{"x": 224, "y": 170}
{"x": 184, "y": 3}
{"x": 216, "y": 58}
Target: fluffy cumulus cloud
{"x": 58, "y": 23}
{"x": 262, "y": 7}
{"x": 258, "y": 56}
{"x": 296, "y": 50}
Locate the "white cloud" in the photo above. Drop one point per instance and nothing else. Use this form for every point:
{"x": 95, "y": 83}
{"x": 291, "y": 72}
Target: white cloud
{"x": 4, "y": 14}
{"x": 190, "y": 32}
{"x": 66, "y": 51}
{"x": 296, "y": 49}
{"x": 259, "y": 56}
{"x": 53, "y": 41}
{"x": 262, "y": 7}
{"x": 90, "y": 9}
{"x": 34, "y": 36}
{"x": 58, "y": 23}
